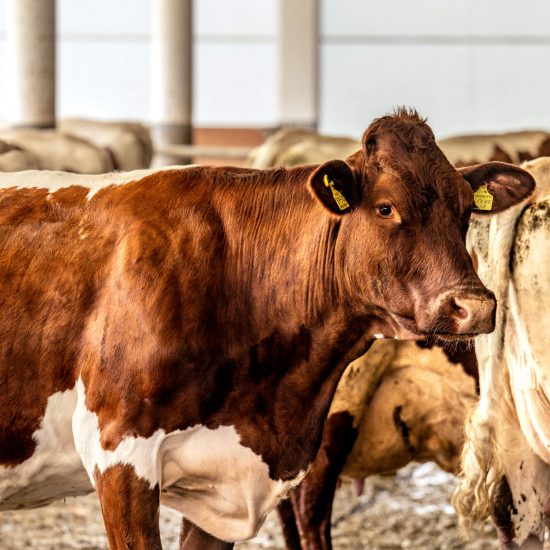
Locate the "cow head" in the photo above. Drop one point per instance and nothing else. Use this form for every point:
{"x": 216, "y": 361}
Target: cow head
{"x": 404, "y": 212}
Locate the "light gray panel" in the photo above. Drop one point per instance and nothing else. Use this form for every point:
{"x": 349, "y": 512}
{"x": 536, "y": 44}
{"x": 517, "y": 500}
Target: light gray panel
{"x": 95, "y": 18}
{"x": 103, "y": 79}
{"x": 487, "y": 18}
{"x": 235, "y": 18}
{"x": 235, "y": 85}
{"x": 460, "y": 88}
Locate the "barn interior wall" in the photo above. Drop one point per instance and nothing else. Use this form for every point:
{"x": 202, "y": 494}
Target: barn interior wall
{"x": 471, "y": 66}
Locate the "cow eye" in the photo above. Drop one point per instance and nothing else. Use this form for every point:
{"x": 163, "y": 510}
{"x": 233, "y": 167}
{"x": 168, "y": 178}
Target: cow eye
{"x": 385, "y": 210}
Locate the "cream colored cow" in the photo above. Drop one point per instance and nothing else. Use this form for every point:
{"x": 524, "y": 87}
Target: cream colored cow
{"x": 506, "y": 462}
{"x": 15, "y": 159}
{"x": 55, "y": 150}
{"x": 129, "y": 143}
{"x": 396, "y": 404}
{"x": 291, "y": 147}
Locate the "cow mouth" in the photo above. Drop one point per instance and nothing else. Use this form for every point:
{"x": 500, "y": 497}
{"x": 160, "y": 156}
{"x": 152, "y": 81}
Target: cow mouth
{"x": 407, "y": 325}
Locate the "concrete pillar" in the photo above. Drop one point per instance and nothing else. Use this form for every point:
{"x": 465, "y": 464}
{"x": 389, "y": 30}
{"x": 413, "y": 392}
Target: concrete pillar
{"x": 171, "y": 75}
{"x": 30, "y": 66}
{"x": 298, "y": 59}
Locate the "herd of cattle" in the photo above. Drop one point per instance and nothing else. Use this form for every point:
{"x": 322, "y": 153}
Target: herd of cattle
{"x": 197, "y": 336}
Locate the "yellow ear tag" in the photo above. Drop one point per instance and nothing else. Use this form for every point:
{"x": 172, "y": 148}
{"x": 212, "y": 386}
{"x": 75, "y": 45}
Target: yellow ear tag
{"x": 336, "y": 195}
{"x": 483, "y": 199}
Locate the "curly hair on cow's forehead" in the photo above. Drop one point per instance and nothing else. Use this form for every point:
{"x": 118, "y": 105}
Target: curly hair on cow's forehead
{"x": 405, "y": 125}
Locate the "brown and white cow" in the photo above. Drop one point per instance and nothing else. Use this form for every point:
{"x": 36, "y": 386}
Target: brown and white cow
{"x": 179, "y": 334}
{"x": 506, "y": 462}
{"x": 292, "y": 147}
{"x": 398, "y": 403}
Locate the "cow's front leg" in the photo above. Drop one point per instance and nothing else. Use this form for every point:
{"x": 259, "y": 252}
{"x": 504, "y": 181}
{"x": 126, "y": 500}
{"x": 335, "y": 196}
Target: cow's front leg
{"x": 312, "y": 500}
{"x": 130, "y": 508}
{"x": 126, "y": 473}
{"x": 193, "y": 538}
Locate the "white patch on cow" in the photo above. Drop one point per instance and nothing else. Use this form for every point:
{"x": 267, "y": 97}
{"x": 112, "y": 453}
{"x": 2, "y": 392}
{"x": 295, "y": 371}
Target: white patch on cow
{"x": 54, "y": 470}
{"x": 140, "y": 452}
{"x": 378, "y": 335}
{"x": 218, "y": 483}
{"x": 53, "y": 181}
{"x": 208, "y": 475}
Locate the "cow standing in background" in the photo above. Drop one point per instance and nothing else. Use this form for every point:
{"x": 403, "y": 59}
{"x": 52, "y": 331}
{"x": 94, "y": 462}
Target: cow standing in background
{"x": 180, "y": 335}
{"x": 292, "y": 147}
{"x": 55, "y": 150}
{"x": 128, "y": 144}
{"x": 398, "y": 403}
{"x": 15, "y": 159}
{"x": 506, "y": 462}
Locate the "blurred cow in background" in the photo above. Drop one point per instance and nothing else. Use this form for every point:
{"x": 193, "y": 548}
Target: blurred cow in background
{"x": 80, "y": 146}
{"x": 396, "y": 404}
{"x": 55, "y": 150}
{"x": 128, "y": 143}
{"x": 14, "y": 159}
{"x": 506, "y": 462}
{"x": 292, "y": 147}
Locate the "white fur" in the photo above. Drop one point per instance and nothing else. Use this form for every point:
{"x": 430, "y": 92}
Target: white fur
{"x": 378, "y": 335}
{"x": 507, "y": 433}
{"x": 207, "y": 475}
{"x": 54, "y": 470}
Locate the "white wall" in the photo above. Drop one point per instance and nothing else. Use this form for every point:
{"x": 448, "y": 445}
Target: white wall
{"x": 104, "y": 60}
{"x": 468, "y": 66}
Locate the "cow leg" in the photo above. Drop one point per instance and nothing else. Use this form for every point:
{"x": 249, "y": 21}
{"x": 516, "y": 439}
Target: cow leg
{"x": 126, "y": 478}
{"x": 312, "y": 500}
{"x": 130, "y": 509}
{"x": 287, "y": 519}
{"x": 194, "y": 538}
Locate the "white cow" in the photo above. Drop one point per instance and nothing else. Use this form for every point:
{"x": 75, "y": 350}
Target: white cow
{"x": 129, "y": 143}
{"x": 506, "y": 460}
{"x": 56, "y": 150}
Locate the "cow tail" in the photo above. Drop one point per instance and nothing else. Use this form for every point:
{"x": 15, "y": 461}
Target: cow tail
{"x": 481, "y": 472}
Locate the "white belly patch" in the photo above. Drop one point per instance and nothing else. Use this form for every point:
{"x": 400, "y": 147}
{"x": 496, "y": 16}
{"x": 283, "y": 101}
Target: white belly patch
{"x": 206, "y": 474}
{"x": 218, "y": 483}
{"x": 54, "y": 470}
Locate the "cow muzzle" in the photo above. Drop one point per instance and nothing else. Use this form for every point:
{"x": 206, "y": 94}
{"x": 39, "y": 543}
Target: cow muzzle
{"x": 461, "y": 313}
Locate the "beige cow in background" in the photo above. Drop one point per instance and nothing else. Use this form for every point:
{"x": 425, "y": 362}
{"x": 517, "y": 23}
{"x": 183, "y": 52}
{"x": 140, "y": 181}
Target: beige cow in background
{"x": 55, "y": 150}
{"x": 128, "y": 143}
{"x": 15, "y": 159}
{"x": 291, "y": 147}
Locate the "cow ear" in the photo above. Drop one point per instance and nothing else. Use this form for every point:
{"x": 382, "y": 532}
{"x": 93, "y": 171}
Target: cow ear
{"x": 497, "y": 185}
{"x": 333, "y": 184}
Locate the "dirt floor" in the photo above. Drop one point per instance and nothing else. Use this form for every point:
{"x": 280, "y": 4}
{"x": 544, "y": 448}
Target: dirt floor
{"x": 410, "y": 510}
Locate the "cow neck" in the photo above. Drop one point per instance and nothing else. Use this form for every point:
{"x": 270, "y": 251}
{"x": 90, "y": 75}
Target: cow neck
{"x": 296, "y": 330}
{"x": 284, "y": 256}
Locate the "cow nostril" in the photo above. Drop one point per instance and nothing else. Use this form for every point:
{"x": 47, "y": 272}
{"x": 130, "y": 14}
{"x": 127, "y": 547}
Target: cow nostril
{"x": 457, "y": 310}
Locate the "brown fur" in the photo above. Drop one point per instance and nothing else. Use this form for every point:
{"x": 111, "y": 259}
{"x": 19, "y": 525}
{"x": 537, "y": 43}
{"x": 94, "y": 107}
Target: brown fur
{"x": 130, "y": 509}
{"x": 226, "y": 296}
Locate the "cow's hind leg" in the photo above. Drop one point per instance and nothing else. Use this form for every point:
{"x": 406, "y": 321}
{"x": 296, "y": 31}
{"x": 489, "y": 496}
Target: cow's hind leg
{"x": 193, "y": 538}
{"x": 130, "y": 509}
